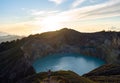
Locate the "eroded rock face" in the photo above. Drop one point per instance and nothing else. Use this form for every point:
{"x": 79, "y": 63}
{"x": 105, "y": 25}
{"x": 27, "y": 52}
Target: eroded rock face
{"x": 105, "y": 45}
{"x": 111, "y": 49}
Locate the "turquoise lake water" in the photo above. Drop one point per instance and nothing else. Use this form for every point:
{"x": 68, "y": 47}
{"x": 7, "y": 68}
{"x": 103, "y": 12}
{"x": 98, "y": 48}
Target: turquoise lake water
{"x": 78, "y": 63}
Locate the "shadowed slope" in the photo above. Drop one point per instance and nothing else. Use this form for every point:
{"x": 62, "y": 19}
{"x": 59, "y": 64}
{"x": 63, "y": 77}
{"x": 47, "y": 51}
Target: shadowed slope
{"x": 109, "y": 73}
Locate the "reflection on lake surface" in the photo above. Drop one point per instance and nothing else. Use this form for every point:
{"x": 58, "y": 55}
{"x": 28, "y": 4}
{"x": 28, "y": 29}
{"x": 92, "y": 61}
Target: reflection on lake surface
{"x": 78, "y": 63}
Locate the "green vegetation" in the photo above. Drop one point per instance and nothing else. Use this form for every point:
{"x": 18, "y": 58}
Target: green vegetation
{"x": 106, "y": 79}
{"x": 109, "y": 73}
{"x": 58, "y": 76}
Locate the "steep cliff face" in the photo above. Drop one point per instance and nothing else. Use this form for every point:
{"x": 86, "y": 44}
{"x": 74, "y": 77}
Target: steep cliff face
{"x": 112, "y": 50}
{"x": 104, "y": 45}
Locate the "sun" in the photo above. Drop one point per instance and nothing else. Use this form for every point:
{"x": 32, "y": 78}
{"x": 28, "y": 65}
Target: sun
{"x": 51, "y": 23}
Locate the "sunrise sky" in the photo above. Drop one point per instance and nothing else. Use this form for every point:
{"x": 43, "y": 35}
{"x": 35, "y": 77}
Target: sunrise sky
{"x": 24, "y": 17}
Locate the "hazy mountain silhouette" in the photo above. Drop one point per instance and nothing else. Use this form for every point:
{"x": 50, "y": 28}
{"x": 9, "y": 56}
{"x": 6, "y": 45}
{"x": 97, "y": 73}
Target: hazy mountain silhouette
{"x": 8, "y": 37}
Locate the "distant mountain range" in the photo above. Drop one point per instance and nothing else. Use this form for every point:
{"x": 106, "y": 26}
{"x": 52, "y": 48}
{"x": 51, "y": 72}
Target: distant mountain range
{"x": 7, "y": 37}
{"x": 3, "y": 34}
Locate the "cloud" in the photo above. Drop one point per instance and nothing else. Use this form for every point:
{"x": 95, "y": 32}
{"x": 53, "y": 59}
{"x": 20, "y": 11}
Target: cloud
{"x": 110, "y": 8}
{"x": 72, "y": 17}
{"x": 42, "y": 12}
{"x": 57, "y": 1}
{"x": 93, "y": 1}
{"x": 36, "y": 12}
{"x": 103, "y": 10}
{"x": 21, "y": 28}
{"x": 77, "y": 3}
{"x": 77, "y": 15}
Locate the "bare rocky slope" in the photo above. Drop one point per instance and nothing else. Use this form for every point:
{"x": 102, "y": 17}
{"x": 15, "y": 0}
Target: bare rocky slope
{"x": 16, "y": 57}
{"x": 108, "y": 73}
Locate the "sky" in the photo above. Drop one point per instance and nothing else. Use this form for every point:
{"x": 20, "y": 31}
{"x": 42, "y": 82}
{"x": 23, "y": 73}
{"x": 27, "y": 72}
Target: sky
{"x": 25, "y": 17}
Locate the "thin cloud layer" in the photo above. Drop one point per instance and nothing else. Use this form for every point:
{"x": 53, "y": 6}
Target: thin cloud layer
{"x": 108, "y": 9}
{"x": 92, "y": 12}
{"x": 57, "y": 1}
{"x": 77, "y": 3}
{"x": 81, "y": 17}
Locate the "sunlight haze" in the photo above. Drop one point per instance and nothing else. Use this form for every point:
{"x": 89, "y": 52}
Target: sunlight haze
{"x": 25, "y": 17}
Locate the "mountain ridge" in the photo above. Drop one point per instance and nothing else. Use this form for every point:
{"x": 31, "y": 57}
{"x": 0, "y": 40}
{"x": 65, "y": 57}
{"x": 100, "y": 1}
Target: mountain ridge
{"x": 21, "y": 53}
